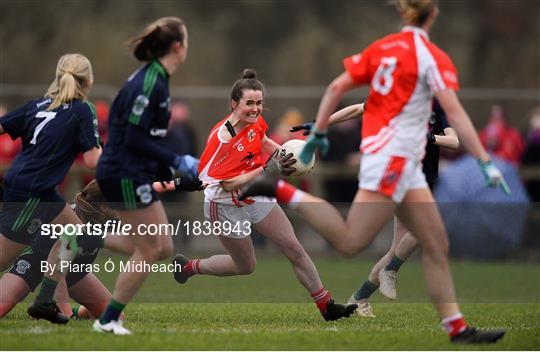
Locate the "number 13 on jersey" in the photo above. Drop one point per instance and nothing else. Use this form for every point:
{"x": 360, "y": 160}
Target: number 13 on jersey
{"x": 383, "y": 81}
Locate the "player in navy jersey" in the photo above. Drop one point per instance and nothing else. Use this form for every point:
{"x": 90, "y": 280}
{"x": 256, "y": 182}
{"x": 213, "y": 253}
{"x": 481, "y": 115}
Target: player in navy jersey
{"x": 132, "y": 159}
{"x": 54, "y": 130}
{"x": 25, "y": 274}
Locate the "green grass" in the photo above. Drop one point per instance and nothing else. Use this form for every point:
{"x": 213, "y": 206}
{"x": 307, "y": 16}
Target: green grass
{"x": 211, "y": 313}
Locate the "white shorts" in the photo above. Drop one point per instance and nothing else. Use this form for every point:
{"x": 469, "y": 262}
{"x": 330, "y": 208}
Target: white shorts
{"x": 392, "y": 176}
{"x": 239, "y": 219}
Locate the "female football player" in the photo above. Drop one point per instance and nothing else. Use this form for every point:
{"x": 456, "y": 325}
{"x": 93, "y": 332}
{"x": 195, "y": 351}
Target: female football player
{"x": 384, "y": 273}
{"x": 234, "y": 155}
{"x": 84, "y": 287}
{"x": 405, "y": 70}
{"x": 54, "y": 130}
{"x": 132, "y": 159}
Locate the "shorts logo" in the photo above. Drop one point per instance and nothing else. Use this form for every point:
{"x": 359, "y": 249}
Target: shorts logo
{"x": 432, "y": 118}
{"x": 35, "y": 225}
{"x": 391, "y": 177}
{"x": 22, "y": 266}
{"x": 145, "y": 193}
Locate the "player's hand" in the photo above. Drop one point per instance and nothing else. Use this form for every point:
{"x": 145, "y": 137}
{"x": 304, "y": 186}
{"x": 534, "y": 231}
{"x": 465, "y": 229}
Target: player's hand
{"x": 188, "y": 184}
{"x": 316, "y": 140}
{"x": 187, "y": 164}
{"x": 306, "y": 127}
{"x": 431, "y": 137}
{"x": 280, "y": 166}
{"x": 493, "y": 176}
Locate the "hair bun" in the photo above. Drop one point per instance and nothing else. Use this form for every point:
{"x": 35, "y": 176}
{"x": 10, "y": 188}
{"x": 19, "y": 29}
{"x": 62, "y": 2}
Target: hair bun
{"x": 249, "y": 74}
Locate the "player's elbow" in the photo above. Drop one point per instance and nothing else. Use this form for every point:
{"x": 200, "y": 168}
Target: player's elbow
{"x": 91, "y": 158}
{"x": 454, "y": 143}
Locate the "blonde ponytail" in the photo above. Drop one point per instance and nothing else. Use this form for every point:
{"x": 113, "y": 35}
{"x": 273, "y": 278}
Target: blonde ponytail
{"x": 415, "y": 12}
{"x": 73, "y": 80}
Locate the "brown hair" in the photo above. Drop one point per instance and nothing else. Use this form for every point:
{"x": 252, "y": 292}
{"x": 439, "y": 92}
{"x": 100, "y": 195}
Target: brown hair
{"x": 72, "y": 81}
{"x": 247, "y": 81}
{"x": 416, "y": 12}
{"x": 156, "y": 39}
{"x": 87, "y": 205}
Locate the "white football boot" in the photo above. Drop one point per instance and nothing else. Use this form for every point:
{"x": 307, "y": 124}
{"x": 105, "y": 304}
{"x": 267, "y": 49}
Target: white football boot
{"x": 387, "y": 283}
{"x": 364, "y": 309}
{"x": 113, "y": 326}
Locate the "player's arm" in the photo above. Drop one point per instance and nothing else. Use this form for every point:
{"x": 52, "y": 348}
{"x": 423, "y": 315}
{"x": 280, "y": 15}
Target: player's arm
{"x": 237, "y": 182}
{"x": 268, "y": 145}
{"x": 187, "y": 184}
{"x": 461, "y": 122}
{"x": 2, "y": 129}
{"x": 348, "y": 113}
{"x": 332, "y": 96}
{"x": 91, "y": 157}
{"x": 450, "y": 139}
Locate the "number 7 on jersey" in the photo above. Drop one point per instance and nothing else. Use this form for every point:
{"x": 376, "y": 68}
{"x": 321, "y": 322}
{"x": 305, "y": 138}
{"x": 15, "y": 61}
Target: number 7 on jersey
{"x": 48, "y": 115}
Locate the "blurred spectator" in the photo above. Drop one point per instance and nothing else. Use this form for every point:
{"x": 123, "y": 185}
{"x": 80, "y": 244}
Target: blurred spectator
{"x": 531, "y": 156}
{"x": 102, "y": 111}
{"x": 181, "y": 137}
{"x": 281, "y": 134}
{"x": 500, "y": 139}
{"x": 8, "y": 147}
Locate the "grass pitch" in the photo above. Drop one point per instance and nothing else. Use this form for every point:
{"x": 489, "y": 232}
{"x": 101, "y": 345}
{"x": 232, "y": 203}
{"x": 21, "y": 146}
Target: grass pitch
{"x": 269, "y": 310}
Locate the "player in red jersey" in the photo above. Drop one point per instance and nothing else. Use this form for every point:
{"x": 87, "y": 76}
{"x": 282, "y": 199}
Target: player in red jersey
{"x": 234, "y": 155}
{"x": 405, "y": 70}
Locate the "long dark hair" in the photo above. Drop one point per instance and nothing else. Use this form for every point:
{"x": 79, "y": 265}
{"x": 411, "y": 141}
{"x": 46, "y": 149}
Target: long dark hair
{"x": 156, "y": 39}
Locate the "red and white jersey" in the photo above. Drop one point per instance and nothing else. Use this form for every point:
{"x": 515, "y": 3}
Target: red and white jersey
{"x": 225, "y": 159}
{"x": 404, "y": 70}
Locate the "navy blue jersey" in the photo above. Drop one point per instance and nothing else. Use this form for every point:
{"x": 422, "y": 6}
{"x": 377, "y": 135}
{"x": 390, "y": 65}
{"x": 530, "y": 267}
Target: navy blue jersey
{"x": 437, "y": 125}
{"x": 143, "y": 102}
{"x": 51, "y": 142}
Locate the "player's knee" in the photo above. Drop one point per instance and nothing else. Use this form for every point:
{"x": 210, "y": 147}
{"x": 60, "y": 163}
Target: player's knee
{"x": 247, "y": 268}
{"x": 346, "y": 249}
{"x": 350, "y": 247}
{"x": 166, "y": 251}
{"x": 151, "y": 254}
{"x": 439, "y": 245}
{"x": 437, "y": 251}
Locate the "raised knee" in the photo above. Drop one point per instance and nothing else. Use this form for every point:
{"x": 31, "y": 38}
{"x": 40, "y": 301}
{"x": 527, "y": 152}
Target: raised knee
{"x": 151, "y": 255}
{"x": 349, "y": 248}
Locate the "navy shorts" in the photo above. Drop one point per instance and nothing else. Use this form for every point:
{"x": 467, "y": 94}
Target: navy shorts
{"x": 127, "y": 193}
{"x": 22, "y": 214}
{"x": 28, "y": 265}
{"x": 431, "y": 181}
